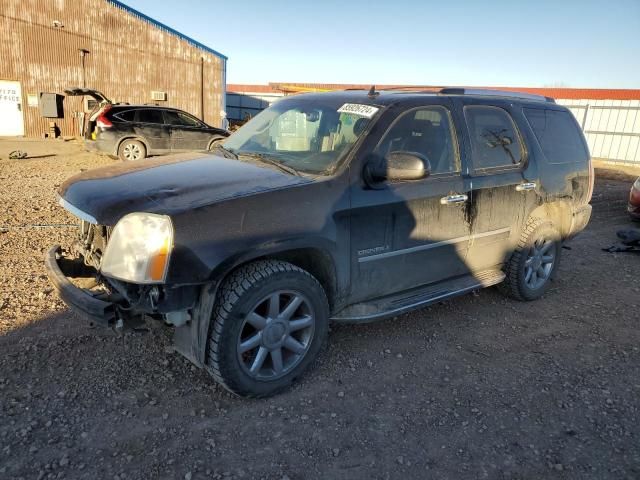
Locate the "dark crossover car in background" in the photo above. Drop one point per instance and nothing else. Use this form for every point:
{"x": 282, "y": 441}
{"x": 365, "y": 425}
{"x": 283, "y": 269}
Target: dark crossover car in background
{"x": 344, "y": 206}
{"x": 634, "y": 200}
{"x": 133, "y": 132}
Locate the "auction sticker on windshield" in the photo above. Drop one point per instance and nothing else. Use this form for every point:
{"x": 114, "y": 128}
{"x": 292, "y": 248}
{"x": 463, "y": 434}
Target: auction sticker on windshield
{"x": 357, "y": 109}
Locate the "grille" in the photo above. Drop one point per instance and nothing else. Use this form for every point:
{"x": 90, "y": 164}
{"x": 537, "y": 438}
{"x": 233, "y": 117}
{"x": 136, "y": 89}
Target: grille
{"x": 93, "y": 241}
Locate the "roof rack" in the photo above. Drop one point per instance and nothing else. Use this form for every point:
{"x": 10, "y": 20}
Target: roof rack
{"x": 496, "y": 93}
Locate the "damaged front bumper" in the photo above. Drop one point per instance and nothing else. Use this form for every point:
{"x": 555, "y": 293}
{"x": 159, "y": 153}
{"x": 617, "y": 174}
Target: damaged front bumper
{"x": 126, "y": 306}
{"x": 113, "y": 303}
{"x": 94, "y": 306}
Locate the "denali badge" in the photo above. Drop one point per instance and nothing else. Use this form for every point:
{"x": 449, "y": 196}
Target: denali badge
{"x": 373, "y": 251}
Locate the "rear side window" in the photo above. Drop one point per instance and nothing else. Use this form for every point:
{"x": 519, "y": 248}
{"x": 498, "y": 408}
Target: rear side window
{"x": 427, "y": 131}
{"x": 126, "y": 116}
{"x": 495, "y": 142}
{"x": 173, "y": 117}
{"x": 558, "y": 135}
{"x": 148, "y": 115}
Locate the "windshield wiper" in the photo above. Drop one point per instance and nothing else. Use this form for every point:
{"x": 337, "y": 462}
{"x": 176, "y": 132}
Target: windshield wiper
{"x": 226, "y": 152}
{"x": 265, "y": 159}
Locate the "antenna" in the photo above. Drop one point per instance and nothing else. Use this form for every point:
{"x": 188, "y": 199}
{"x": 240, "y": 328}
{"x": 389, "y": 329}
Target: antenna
{"x": 372, "y": 92}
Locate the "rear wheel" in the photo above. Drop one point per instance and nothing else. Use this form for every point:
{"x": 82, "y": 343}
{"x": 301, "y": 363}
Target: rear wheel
{"x": 132, "y": 150}
{"x": 534, "y": 263}
{"x": 269, "y": 324}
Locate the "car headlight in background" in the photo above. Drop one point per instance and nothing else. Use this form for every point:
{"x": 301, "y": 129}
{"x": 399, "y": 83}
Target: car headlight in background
{"x": 139, "y": 248}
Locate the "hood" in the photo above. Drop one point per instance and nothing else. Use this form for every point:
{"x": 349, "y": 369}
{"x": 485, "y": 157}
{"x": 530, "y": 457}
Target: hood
{"x": 166, "y": 185}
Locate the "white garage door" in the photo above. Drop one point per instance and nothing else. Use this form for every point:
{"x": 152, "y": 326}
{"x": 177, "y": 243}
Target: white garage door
{"x": 11, "y": 121}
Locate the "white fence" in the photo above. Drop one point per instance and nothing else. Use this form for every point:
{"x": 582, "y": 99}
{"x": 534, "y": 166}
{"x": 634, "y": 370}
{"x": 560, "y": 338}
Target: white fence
{"x": 612, "y": 128}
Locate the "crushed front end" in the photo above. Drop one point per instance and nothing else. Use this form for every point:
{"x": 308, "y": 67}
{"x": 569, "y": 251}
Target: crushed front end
{"x": 81, "y": 279}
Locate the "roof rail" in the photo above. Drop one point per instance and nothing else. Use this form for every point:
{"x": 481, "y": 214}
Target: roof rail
{"x": 496, "y": 93}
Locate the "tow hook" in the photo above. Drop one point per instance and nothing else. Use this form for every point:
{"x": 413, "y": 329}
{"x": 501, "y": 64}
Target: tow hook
{"x": 119, "y": 327}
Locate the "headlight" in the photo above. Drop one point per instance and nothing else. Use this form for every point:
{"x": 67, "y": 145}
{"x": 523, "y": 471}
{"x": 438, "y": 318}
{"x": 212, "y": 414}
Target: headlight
{"x": 636, "y": 184}
{"x": 139, "y": 248}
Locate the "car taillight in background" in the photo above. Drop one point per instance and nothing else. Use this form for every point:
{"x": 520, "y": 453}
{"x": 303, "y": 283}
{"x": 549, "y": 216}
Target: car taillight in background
{"x": 591, "y": 180}
{"x": 102, "y": 121}
{"x": 634, "y": 195}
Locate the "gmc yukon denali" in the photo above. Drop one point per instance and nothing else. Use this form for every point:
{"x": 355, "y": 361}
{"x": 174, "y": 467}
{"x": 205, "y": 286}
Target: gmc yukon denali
{"x": 335, "y": 207}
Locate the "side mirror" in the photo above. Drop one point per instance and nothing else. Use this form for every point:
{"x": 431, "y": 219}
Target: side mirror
{"x": 399, "y": 166}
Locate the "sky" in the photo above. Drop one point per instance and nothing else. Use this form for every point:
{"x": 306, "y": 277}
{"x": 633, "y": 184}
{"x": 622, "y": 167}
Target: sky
{"x": 588, "y": 44}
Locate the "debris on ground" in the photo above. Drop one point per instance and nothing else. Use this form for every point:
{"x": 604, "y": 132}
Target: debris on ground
{"x": 17, "y": 155}
{"x": 629, "y": 242}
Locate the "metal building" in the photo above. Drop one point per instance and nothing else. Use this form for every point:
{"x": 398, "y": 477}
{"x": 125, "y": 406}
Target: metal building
{"x": 47, "y": 46}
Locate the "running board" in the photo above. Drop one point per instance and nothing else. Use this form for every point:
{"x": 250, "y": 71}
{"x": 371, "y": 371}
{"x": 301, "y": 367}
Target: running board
{"x": 403, "y": 302}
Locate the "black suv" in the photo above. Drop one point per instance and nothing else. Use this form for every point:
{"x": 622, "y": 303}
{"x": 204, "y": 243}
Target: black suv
{"x": 344, "y": 206}
{"x": 133, "y": 132}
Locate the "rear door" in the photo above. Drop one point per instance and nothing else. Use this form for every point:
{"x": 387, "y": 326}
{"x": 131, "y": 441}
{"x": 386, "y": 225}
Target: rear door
{"x": 495, "y": 159}
{"x": 150, "y": 125}
{"x": 407, "y": 234}
{"x": 187, "y": 132}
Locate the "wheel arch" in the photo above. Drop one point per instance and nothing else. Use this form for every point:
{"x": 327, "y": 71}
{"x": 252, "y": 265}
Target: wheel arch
{"x": 315, "y": 260}
{"x": 215, "y": 137}
{"x": 559, "y": 212}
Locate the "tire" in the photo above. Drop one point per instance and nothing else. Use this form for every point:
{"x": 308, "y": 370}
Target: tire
{"x": 216, "y": 140}
{"x": 132, "y": 150}
{"x": 246, "y": 334}
{"x": 530, "y": 269}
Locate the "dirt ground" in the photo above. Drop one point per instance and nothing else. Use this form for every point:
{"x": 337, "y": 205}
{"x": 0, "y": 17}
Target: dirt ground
{"x": 477, "y": 387}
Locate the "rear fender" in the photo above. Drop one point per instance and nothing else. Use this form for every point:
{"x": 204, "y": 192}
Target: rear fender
{"x": 559, "y": 212}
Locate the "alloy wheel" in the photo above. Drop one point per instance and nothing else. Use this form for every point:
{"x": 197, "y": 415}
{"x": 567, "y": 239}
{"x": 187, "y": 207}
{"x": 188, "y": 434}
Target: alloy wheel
{"x": 539, "y": 263}
{"x": 131, "y": 151}
{"x": 276, "y": 335}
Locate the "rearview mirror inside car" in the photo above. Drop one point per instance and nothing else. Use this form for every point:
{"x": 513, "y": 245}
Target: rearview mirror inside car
{"x": 397, "y": 166}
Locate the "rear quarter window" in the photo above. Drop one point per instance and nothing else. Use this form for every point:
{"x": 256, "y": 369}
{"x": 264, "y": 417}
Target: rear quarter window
{"x": 125, "y": 116}
{"x": 558, "y": 135}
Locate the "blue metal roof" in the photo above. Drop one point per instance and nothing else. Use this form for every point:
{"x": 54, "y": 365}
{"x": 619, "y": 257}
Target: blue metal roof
{"x": 162, "y": 26}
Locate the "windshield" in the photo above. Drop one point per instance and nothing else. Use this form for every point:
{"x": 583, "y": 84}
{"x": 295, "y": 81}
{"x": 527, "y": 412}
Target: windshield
{"x": 307, "y": 135}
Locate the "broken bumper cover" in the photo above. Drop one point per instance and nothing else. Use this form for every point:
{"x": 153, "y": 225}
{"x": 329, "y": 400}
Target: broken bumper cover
{"x": 79, "y": 299}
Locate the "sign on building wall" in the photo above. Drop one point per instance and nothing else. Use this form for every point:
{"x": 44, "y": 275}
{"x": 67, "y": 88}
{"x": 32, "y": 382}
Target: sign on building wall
{"x": 11, "y": 120}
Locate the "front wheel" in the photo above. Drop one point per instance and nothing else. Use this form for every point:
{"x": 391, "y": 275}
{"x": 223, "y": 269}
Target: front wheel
{"x": 534, "y": 263}
{"x": 269, "y": 323}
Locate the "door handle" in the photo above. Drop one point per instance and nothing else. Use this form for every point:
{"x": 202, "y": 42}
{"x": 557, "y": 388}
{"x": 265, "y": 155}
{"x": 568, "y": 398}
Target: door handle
{"x": 454, "y": 199}
{"x": 523, "y": 187}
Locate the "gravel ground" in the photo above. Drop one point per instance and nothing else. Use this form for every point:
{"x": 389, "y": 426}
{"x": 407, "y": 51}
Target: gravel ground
{"x": 478, "y": 387}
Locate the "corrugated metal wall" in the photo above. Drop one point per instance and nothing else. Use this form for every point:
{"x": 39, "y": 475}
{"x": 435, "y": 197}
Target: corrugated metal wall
{"x": 128, "y": 58}
{"x": 612, "y": 127}
{"x": 241, "y": 106}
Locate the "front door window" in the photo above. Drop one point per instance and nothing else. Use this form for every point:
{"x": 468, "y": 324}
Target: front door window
{"x": 427, "y": 131}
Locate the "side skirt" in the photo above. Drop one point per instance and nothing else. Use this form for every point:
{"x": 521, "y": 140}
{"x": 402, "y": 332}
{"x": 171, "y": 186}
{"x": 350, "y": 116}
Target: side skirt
{"x": 399, "y": 303}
